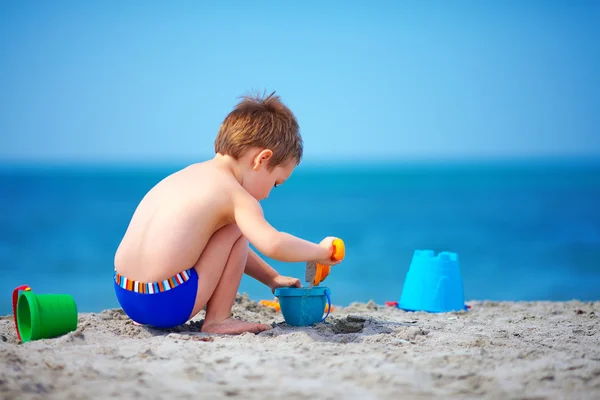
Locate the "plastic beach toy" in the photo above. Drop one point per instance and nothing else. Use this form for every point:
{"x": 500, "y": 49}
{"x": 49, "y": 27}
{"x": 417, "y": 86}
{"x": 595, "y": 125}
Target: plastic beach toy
{"x": 271, "y": 303}
{"x": 274, "y": 304}
{"x": 304, "y": 306}
{"x": 433, "y": 283}
{"x": 42, "y": 316}
{"x": 316, "y": 273}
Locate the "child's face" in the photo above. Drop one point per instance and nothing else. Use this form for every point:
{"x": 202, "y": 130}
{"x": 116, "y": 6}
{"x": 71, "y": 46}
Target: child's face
{"x": 263, "y": 181}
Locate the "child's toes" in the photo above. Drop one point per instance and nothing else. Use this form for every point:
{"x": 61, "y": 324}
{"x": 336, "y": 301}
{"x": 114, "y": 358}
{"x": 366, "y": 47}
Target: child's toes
{"x": 262, "y": 328}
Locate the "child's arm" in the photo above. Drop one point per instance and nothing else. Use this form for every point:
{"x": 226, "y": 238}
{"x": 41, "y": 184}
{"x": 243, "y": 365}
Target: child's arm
{"x": 258, "y": 269}
{"x": 281, "y": 246}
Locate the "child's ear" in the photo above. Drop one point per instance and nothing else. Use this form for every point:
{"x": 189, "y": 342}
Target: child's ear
{"x": 262, "y": 158}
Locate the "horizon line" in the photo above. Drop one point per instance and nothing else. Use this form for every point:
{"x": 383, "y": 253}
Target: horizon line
{"x": 313, "y": 161}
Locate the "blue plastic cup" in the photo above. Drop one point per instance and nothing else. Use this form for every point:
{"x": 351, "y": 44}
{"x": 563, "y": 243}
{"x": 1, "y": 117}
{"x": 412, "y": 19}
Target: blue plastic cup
{"x": 433, "y": 283}
{"x": 304, "y": 306}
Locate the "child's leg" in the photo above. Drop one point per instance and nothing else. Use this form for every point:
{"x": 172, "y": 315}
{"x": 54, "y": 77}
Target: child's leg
{"x": 220, "y": 269}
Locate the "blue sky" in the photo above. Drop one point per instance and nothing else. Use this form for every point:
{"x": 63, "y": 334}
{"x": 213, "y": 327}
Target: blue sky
{"x": 151, "y": 81}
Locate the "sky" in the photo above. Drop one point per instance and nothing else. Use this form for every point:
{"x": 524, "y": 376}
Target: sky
{"x": 115, "y": 81}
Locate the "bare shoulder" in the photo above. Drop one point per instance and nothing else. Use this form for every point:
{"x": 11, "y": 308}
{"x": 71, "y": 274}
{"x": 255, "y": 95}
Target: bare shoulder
{"x": 212, "y": 186}
{"x": 242, "y": 200}
{"x": 204, "y": 174}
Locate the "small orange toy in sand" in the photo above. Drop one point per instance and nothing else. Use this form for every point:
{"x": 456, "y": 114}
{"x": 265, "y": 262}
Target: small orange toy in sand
{"x": 271, "y": 303}
{"x": 275, "y": 305}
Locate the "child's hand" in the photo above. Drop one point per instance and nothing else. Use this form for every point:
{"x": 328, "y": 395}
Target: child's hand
{"x": 284, "y": 281}
{"x": 328, "y": 244}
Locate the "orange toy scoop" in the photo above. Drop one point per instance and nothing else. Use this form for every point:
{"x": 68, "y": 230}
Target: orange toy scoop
{"x": 316, "y": 273}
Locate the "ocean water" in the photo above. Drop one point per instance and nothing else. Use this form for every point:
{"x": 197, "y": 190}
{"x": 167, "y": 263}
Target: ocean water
{"x": 527, "y": 231}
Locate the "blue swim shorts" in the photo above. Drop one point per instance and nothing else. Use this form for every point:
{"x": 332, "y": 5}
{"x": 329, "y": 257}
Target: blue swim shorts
{"x": 163, "y": 304}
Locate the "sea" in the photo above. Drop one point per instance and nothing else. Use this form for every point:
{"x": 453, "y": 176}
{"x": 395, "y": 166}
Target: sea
{"x": 523, "y": 230}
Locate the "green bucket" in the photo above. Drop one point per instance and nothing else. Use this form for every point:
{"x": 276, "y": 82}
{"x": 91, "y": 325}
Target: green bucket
{"x": 43, "y": 316}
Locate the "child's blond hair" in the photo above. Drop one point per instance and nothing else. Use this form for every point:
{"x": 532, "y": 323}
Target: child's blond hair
{"x": 262, "y": 122}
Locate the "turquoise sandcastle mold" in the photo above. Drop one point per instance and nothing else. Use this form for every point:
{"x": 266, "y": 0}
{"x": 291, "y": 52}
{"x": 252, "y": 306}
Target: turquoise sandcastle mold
{"x": 433, "y": 283}
{"x": 303, "y": 306}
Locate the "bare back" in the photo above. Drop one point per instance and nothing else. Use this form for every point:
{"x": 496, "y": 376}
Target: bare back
{"x": 174, "y": 221}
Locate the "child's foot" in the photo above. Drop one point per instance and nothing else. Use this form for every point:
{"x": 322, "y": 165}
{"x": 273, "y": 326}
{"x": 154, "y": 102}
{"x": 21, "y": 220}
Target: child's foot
{"x": 233, "y": 327}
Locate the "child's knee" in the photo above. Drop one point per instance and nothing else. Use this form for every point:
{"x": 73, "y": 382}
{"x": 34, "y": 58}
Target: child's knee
{"x": 240, "y": 247}
{"x": 242, "y": 244}
{"x": 229, "y": 232}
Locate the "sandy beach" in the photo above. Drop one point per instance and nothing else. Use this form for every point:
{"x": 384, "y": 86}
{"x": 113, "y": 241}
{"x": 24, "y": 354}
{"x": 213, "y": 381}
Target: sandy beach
{"x": 497, "y": 350}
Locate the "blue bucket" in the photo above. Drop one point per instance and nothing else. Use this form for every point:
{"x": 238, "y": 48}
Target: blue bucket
{"x": 303, "y": 306}
{"x": 433, "y": 283}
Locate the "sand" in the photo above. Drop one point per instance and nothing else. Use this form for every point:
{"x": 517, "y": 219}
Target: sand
{"x": 497, "y": 350}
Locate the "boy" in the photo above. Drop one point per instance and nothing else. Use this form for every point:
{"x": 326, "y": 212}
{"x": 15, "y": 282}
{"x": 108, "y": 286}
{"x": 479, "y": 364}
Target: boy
{"x": 186, "y": 246}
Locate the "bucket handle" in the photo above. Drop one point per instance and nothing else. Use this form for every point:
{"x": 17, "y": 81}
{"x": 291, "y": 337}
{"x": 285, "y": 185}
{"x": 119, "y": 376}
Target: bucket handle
{"x": 327, "y": 294}
{"x": 15, "y": 298}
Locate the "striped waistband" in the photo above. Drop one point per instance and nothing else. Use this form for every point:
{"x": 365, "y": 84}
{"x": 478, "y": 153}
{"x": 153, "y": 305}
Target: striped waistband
{"x": 152, "y": 287}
